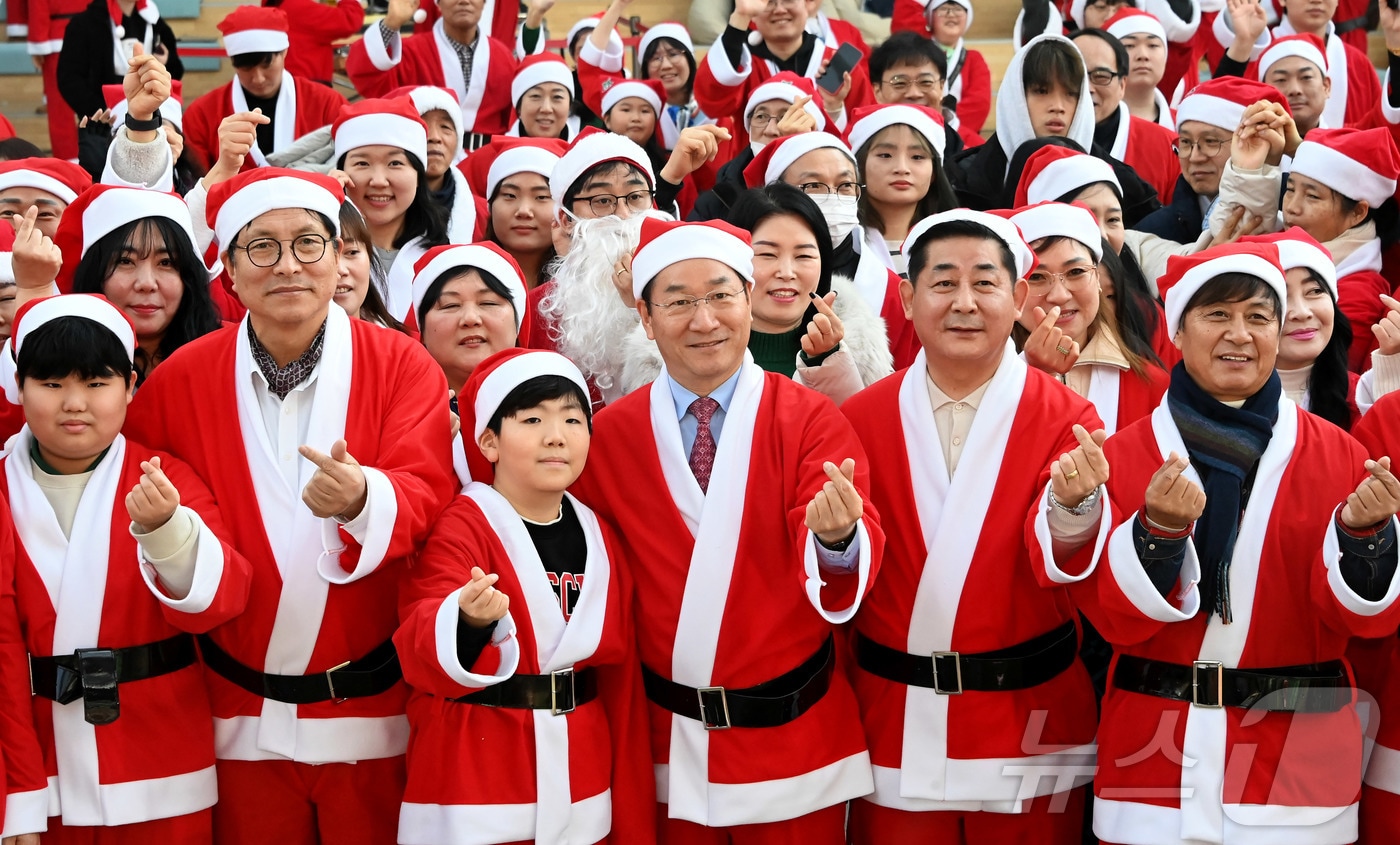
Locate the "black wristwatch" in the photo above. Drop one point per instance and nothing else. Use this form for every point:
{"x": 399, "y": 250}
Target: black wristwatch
{"x": 144, "y": 125}
{"x": 841, "y": 546}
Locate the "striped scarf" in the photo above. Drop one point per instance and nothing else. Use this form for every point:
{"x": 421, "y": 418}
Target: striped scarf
{"x": 1224, "y": 444}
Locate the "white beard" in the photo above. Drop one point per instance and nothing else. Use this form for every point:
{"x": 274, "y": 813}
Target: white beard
{"x": 586, "y": 317}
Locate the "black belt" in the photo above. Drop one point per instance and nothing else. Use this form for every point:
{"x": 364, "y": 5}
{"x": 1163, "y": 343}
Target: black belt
{"x": 558, "y": 692}
{"x": 1021, "y": 666}
{"x": 1312, "y": 688}
{"x": 1348, "y": 25}
{"x": 767, "y": 705}
{"x": 93, "y": 674}
{"x": 372, "y": 674}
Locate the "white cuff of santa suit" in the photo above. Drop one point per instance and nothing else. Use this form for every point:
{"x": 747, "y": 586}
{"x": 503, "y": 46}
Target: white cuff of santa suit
{"x": 372, "y": 528}
{"x": 1382, "y": 378}
{"x": 814, "y": 564}
{"x": 1389, "y": 112}
{"x": 185, "y": 557}
{"x": 445, "y": 635}
{"x": 148, "y": 164}
{"x": 609, "y": 60}
{"x": 26, "y": 812}
{"x": 385, "y": 51}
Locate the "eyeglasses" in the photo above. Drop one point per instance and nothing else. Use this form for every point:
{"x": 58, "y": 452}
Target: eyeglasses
{"x": 685, "y": 306}
{"x": 950, "y": 10}
{"x": 790, "y": 4}
{"x": 660, "y": 56}
{"x": 900, "y": 84}
{"x": 761, "y": 119}
{"x": 1073, "y": 279}
{"x": 266, "y": 252}
{"x": 1103, "y": 77}
{"x": 845, "y": 190}
{"x": 1209, "y": 147}
{"x": 605, "y": 204}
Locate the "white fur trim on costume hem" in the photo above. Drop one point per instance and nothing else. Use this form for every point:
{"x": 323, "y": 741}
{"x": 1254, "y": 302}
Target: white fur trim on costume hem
{"x": 1131, "y": 823}
{"x": 376, "y": 522}
{"x": 384, "y": 57}
{"x": 445, "y": 635}
{"x": 1047, "y": 548}
{"x": 814, "y": 582}
{"x": 158, "y": 798}
{"x": 725, "y": 73}
{"x": 484, "y": 824}
{"x": 208, "y": 572}
{"x": 992, "y": 785}
{"x": 346, "y": 739}
{"x": 1132, "y": 579}
{"x": 26, "y": 812}
{"x": 782, "y": 799}
{"x": 1346, "y": 597}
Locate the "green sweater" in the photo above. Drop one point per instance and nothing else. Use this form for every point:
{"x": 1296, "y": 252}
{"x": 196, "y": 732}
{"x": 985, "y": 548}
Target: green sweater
{"x": 776, "y": 353}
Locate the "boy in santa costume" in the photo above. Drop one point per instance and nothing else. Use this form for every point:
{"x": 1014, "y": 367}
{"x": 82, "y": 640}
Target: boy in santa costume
{"x": 747, "y": 506}
{"x": 995, "y": 473}
{"x": 256, "y": 40}
{"x": 517, "y": 637}
{"x": 327, "y": 440}
{"x": 118, "y": 560}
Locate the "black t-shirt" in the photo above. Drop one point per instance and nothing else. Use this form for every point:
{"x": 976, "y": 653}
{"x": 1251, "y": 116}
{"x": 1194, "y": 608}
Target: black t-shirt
{"x": 564, "y": 552}
{"x": 269, "y": 108}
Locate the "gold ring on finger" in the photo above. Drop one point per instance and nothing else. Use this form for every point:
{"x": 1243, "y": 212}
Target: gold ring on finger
{"x": 1061, "y": 350}
{"x": 1071, "y": 475}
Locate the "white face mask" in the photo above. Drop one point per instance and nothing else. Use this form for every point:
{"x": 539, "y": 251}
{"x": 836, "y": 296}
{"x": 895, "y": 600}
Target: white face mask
{"x": 841, "y": 215}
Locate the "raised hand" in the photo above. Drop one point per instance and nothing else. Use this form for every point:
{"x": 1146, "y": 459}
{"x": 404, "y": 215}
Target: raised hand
{"x": 797, "y": 119}
{"x": 1377, "y": 498}
{"x": 1049, "y": 348}
{"x": 1173, "y": 501}
{"x": 825, "y": 331}
{"x": 833, "y": 513}
{"x": 481, "y": 603}
{"x": 338, "y": 487}
{"x": 146, "y": 84}
{"x": 153, "y": 500}
{"x": 238, "y": 134}
{"x": 696, "y": 146}
{"x": 745, "y": 11}
{"x": 1387, "y": 331}
{"x": 834, "y": 102}
{"x": 36, "y": 260}
{"x": 400, "y": 12}
{"x": 1079, "y": 471}
{"x": 1248, "y": 21}
{"x": 1257, "y": 139}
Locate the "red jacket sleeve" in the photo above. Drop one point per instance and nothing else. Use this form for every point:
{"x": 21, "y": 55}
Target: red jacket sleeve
{"x": 330, "y": 23}
{"x": 721, "y": 89}
{"x": 594, "y": 81}
{"x": 1359, "y": 297}
{"x": 201, "y": 127}
{"x": 976, "y": 101}
{"x": 369, "y": 80}
{"x": 23, "y": 760}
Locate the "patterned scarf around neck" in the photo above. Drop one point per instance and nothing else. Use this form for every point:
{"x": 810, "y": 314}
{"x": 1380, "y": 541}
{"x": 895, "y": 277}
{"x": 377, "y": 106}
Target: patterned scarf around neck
{"x": 1225, "y": 445}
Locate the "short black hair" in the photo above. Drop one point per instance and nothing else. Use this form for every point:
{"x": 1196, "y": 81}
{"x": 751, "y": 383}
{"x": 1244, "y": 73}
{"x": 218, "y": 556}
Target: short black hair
{"x": 68, "y": 346}
{"x": 777, "y": 199}
{"x": 918, "y": 256}
{"x": 1120, "y": 53}
{"x": 1233, "y": 287}
{"x": 605, "y": 168}
{"x": 1053, "y": 62}
{"x": 906, "y": 48}
{"x": 434, "y": 291}
{"x": 534, "y": 393}
{"x": 244, "y": 61}
{"x": 13, "y": 149}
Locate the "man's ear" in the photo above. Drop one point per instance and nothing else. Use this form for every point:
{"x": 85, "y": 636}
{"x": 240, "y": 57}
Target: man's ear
{"x": 1020, "y": 293}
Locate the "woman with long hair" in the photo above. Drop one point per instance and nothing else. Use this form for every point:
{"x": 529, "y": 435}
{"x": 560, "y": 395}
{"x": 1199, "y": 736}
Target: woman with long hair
{"x": 513, "y": 175}
{"x": 382, "y": 146}
{"x": 543, "y": 94}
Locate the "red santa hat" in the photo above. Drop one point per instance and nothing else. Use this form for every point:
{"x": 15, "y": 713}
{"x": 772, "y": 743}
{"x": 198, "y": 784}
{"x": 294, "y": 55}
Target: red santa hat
{"x": 494, "y": 379}
{"x": 614, "y": 40}
{"x": 145, "y": 9}
{"x": 90, "y": 306}
{"x": 7, "y": 250}
{"x": 390, "y": 123}
{"x": 664, "y": 243}
{"x": 1305, "y": 46}
{"x": 1052, "y": 172}
{"x": 235, "y": 203}
{"x": 668, "y": 29}
{"x": 254, "y": 29}
{"x": 1052, "y": 219}
{"x": 649, "y": 90}
{"x": 930, "y": 6}
{"x": 1361, "y": 164}
{"x": 1298, "y": 249}
{"x": 1187, "y": 274}
{"x": 787, "y": 86}
{"x": 102, "y": 209}
{"x": 171, "y": 110}
{"x": 63, "y": 179}
{"x": 767, "y": 167}
{"x": 484, "y": 256}
{"x": 1129, "y": 21}
{"x": 590, "y": 148}
{"x": 1002, "y": 227}
{"x": 1222, "y": 101}
{"x": 868, "y": 121}
{"x": 431, "y": 98}
{"x": 506, "y": 156}
{"x": 537, "y": 70}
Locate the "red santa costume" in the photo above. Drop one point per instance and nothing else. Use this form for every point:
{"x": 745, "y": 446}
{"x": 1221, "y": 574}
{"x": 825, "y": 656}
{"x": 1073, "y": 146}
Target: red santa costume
{"x": 314, "y": 30}
{"x": 1147, "y": 147}
{"x": 536, "y": 71}
{"x": 303, "y": 105}
{"x": 319, "y": 745}
{"x": 466, "y": 220}
{"x": 44, "y": 22}
{"x": 26, "y": 800}
{"x": 1261, "y": 773}
{"x": 733, "y": 595}
{"x": 379, "y": 64}
{"x": 933, "y": 751}
{"x": 833, "y": 31}
{"x": 969, "y": 80}
{"x": 89, "y": 579}
{"x": 1177, "y": 35}
{"x": 479, "y": 730}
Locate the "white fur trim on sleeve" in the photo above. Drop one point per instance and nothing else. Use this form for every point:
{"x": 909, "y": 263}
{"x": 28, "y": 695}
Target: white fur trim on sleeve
{"x": 153, "y": 159}
{"x": 811, "y": 563}
{"x": 208, "y": 571}
{"x": 725, "y": 73}
{"x": 383, "y": 56}
{"x": 609, "y": 60}
{"x": 1127, "y": 571}
{"x": 1046, "y": 541}
{"x": 26, "y": 812}
{"x": 1346, "y": 597}
{"x": 1225, "y": 36}
{"x": 1391, "y": 114}
{"x": 445, "y": 633}
{"x": 372, "y": 529}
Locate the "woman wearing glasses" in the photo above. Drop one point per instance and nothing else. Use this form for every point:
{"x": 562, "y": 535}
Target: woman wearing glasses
{"x": 1064, "y": 328}
{"x": 383, "y": 146}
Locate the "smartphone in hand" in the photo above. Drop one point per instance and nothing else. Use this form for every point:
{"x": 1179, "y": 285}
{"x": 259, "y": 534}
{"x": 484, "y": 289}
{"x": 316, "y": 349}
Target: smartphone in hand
{"x": 845, "y": 60}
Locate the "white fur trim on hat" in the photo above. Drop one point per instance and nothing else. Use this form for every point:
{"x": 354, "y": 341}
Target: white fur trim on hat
{"x": 113, "y": 209}
{"x": 430, "y": 98}
{"x": 390, "y": 130}
{"x": 480, "y": 258}
{"x": 1294, "y": 254}
{"x": 1057, "y": 218}
{"x": 1000, "y": 226}
{"x": 798, "y": 146}
{"x": 519, "y": 160}
{"x": 1292, "y": 47}
{"x": 1342, "y": 173}
{"x": 39, "y": 182}
{"x": 684, "y": 243}
{"x": 592, "y": 23}
{"x": 257, "y": 198}
{"x": 631, "y": 88}
{"x": 1197, "y": 277}
{"x": 539, "y": 73}
{"x": 788, "y": 93}
{"x": 880, "y": 119}
{"x": 255, "y": 41}
{"x": 515, "y": 372}
{"x": 1139, "y": 25}
{"x": 1065, "y": 175}
{"x": 1216, "y": 111}
{"x": 670, "y": 29}
{"x": 591, "y": 150}
{"x": 88, "y": 307}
